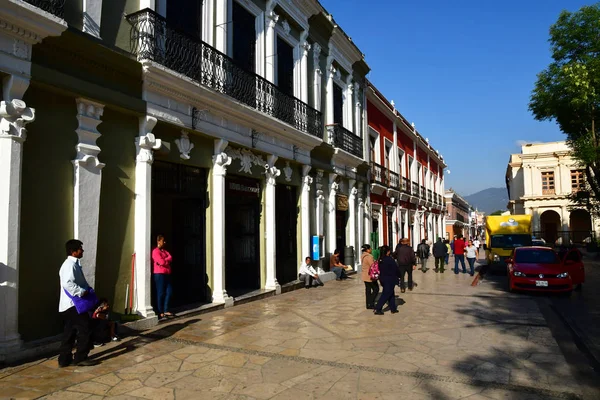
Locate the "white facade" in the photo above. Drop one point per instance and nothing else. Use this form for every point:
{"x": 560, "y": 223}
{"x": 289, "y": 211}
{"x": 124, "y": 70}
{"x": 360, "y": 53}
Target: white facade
{"x": 539, "y": 181}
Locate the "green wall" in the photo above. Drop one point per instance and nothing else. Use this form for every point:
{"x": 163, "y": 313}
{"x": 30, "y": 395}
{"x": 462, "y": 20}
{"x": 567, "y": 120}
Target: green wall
{"x": 46, "y": 210}
{"x": 117, "y": 212}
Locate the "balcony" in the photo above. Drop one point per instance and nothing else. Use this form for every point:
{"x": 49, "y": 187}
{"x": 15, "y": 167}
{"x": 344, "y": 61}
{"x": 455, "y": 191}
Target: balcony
{"x": 344, "y": 139}
{"x": 152, "y": 39}
{"x": 377, "y": 174}
{"x": 415, "y": 189}
{"x": 430, "y": 196}
{"x": 422, "y": 192}
{"x": 393, "y": 180}
{"x": 406, "y": 186}
{"x": 54, "y": 7}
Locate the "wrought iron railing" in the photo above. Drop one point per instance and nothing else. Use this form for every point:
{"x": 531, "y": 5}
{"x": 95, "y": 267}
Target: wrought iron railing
{"x": 55, "y": 7}
{"x": 153, "y": 39}
{"x": 422, "y": 191}
{"x": 344, "y": 139}
{"x": 393, "y": 180}
{"x": 415, "y": 189}
{"x": 377, "y": 173}
{"x": 430, "y": 195}
{"x": 406, "y": 185}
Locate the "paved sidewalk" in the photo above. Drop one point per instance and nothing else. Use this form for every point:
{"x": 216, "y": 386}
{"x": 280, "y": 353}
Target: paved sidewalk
{"x": 449, "y": 341}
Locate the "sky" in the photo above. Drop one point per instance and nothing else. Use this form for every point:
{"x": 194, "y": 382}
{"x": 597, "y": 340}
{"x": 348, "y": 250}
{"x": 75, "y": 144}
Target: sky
{"x": 462, "y": 71}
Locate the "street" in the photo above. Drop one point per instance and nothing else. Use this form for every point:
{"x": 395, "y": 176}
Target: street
{"x": 450, "y": 340}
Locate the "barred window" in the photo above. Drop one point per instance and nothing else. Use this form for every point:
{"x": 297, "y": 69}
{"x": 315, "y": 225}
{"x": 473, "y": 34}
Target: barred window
{"x": 576, "y": 180}
{"x": 548, "y": 182}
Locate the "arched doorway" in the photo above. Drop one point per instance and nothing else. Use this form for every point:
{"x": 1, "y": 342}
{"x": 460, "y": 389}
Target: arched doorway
{"x": 549, "y": 222}
{"x": 580, "y": 225}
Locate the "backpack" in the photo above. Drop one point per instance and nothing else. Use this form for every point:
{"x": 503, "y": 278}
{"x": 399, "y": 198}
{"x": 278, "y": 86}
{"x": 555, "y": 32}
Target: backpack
{"x": 374, "y": 271}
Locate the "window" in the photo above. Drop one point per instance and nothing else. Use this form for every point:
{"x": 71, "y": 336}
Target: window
{"x": 186, "y": 16}
{"x": 338, "y": 105}
{"x": 401, "y": 163}
{"x": 388, "y": 150}
{"x": 527, "y": 256}
{"x": 244, "y": 37}
{"x": 548, "y": 182}
{"x": 576, "y": 180}
{"x": 285, "y": 67}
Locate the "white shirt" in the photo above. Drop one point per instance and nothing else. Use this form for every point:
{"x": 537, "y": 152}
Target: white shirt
{"x": 476, "y": 243}
{"x": 307, "y": 270}
{"x": 471, "y": 251}
{"x": 71, "y": 279}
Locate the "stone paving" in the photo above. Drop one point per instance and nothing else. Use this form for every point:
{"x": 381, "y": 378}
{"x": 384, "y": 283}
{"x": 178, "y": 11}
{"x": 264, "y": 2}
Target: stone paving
{"x": 450, "y": 340}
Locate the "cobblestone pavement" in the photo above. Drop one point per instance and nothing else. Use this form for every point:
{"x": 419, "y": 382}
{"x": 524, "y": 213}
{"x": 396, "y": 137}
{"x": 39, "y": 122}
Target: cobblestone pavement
{"x": 450, "y": 340}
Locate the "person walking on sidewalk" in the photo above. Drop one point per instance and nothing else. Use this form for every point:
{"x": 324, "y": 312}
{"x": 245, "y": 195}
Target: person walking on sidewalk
{"x": 371, "y": 286}
{"x": 440, "y": 252}
{"x": 449, "y": 251}
{"x": 472, "y": 253}
{"x": 459, "y": 254}
{"x": 407, "y": 262}
{"x": 162, "y": 259}
{"x": 423, "y": 252}
{"x": 388, "y": 275}
{"x": 77, "y": 326}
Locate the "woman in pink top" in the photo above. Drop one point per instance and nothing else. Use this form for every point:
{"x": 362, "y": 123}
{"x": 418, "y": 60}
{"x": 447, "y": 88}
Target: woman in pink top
{"x": 161, "y": 260}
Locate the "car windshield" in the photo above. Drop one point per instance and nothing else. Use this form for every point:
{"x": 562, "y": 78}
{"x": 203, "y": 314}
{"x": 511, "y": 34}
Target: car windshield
{"x": 510, "y": 241}
{"x": 536, "y": 256}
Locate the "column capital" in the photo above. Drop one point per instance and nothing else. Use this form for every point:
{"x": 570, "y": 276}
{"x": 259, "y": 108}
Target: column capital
{"x": 146, "y": 143}
{"x": 271, "y": 174}
{"x": 14, "y": 115}
{"x": 88, "y": 116}
{"x": 272, "y": 19}
{"x": 220, "y": 163}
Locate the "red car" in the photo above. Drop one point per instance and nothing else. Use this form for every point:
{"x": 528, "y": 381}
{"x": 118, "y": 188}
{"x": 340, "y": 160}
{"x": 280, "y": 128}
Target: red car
{"x": 541, "y": 269}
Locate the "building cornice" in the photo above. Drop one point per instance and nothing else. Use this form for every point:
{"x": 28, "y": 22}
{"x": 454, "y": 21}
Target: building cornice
{"x": 28, "y": 23}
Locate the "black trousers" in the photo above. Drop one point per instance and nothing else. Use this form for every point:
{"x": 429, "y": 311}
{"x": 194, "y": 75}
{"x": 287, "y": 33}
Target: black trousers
{"x": 406, "y": 269}
{"x": 77, "y": 327}
{"x": 371, "y": 292}
{"x": 387, "y": 295}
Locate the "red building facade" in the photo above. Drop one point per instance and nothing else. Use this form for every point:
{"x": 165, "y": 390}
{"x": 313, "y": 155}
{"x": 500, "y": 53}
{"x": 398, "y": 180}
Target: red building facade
{"x": 407, "y": 179}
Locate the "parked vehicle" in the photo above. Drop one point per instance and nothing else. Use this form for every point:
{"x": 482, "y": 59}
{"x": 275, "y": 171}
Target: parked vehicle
{"x": 503, "y": 233}
{"x": 541, "y": 269}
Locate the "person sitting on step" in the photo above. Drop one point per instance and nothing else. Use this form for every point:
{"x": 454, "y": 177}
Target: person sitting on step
{"x": 308, "y": 274}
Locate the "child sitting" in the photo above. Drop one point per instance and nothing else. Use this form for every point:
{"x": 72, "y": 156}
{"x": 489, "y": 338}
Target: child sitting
{"x": 103, "y": 329}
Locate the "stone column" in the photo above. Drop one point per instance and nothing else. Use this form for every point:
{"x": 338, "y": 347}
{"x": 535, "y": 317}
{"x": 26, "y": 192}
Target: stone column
{"x": 146, "y": 143}
{"x": 352, "y": 218}
{"x": 305, "y": 212}
{"x": 358, "y": 113}
{"x": 406, "y": 224}
{"x": 348, "y": 106}
{"x": 217, "y": 201}
{"x": 331, "y": 208}
{"x": 271, "y": 173}
{"x": 270, "y": 50}
{"x": 92, "y": 17}
{"x": 14, "y": 115}
{"x": 221, "y": 25}
{"x": 367, "y": 220}
{"x": 320, "y": 204}
{"x": 87, "y": 183}
{"x": 360, "y": 224}
{"x": 564, "y": 216}
{"x": 329, "y": 103}
{"x": 318, "y": 78}
{"x": 208, "y": 22}
{"x": 304, "y": 49}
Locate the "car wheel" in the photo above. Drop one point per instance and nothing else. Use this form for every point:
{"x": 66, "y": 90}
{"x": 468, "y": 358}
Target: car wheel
{"x": 509, "y": 288}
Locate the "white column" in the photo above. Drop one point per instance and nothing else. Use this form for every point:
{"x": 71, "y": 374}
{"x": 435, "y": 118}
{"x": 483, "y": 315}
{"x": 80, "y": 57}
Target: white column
{"x": 331, "y": 208}
{"x": 320, "y": 205}
{"x": 416, "y": 230}
{"x": 259, "y": 26}
{"x": 305, "y": 212}
{"x": 92, "y": 18}
{"x": 351, "y": 240}
{"x": 360, "y": 226}
{"x": 270, "y": 50}
{"x": 304, "y": 49}
{"x": 564, "y": 216}
{"x": 318, "y": 76}
{"x": 367, "y": 220}
{"x": 329, "y": 99}
{"x": 146, "y": 143}
{"x": 221, "y": 25}
{"x": 87, "y": 183}
{"x": 348, "y": 106}
{"x": 208, "y": 22}
{"x": 358, "y": 113}
{"x": 14, "y": 115}
{"x": 220, "y": 162}
{"x": 271, "y": 173}
{"x": 405, "y": 216}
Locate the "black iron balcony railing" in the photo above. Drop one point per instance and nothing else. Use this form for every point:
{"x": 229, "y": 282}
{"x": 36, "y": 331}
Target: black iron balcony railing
{"x": 345, "y": 140}
{"x": 55, "y": 7}
{"x": 153, "y": 39}
{"x": 422, "y": 191}
{"x": 405, "y": 185}
{"x": 377, "y": 173}
{"x": 393, "y": 180}
{"x": 430, "y": 195}
{"x": 415, "y": 189}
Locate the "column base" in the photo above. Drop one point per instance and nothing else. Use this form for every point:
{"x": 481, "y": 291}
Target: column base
{"x": 146, "y": 312}
{"x": 275, "y": 286}
{"x": 9, "y": 346}
{"x": 223, "y": 298}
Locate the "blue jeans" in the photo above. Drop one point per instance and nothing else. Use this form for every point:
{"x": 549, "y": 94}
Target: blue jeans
{"x": 163, "y": 292}
{"x": 471, "y": 264}
{"x": 461, "y": 258}
{"x": 387, "y": 295}
{"x": 339, "y": 272}
{"x": 447, "y": 258}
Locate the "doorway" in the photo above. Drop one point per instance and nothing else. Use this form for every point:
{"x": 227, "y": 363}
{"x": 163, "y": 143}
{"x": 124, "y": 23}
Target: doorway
{"x": 286, "y": 217}
{"x": 550, "y": 222}
{"x": 242, "y": 227}
{"x": 179, "y": 214}
{"x": 341, "y": 218}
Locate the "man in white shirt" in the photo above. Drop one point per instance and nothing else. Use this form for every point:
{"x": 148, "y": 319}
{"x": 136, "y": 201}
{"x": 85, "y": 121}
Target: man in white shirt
{"x": 476, "y": 243}
{"x": 77, "y": 326}
{"x": 308, "y": 275}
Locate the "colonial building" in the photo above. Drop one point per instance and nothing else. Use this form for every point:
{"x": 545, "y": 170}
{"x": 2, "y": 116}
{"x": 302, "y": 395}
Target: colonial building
{"x": 407, "y": 177}
{"x": 460, "y": 218}
{"x": 236, "y": 128}
{"x": 539, "y": 181}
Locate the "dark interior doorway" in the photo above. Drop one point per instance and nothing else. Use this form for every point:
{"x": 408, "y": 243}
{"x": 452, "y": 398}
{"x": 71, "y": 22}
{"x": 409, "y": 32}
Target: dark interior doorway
{"x": 242, "y": 234}
{"x": 341, "y": 218}
{"x": 179, "y": 213}
{"x": 286, "y": 217}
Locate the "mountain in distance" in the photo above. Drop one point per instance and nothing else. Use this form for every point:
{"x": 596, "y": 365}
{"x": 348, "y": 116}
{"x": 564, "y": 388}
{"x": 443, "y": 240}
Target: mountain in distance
{"x": 489, "y": 200}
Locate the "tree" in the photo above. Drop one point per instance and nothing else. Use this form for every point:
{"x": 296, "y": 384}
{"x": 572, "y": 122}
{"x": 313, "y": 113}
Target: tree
{"x": 568, "y": 92}
{"x": 497, "y": 212}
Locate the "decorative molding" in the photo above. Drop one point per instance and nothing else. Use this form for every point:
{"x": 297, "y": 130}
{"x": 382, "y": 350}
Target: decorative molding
{"x": 247, "y": 159}
{"x": 287, "y": 172}
{"x": 29, "y": 23}
{"x": 19, "y": 33}
{"x": 14, "y": 115}
{"x": 146, "y": 142}
{"x": 220, "y": 163}
{"x": 286, "y": 27}
{"x": 272, "y": 19}
{"x": 316, "y": 48}
{"x": 88, "y": 116}
{"x": 184, "y": 145}
{"x": 271, "y": 174}
{"x": 353, "y": 192}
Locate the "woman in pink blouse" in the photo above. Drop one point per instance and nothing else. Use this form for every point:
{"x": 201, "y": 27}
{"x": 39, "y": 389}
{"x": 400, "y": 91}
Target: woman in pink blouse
{"x": 161, "y": 260}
